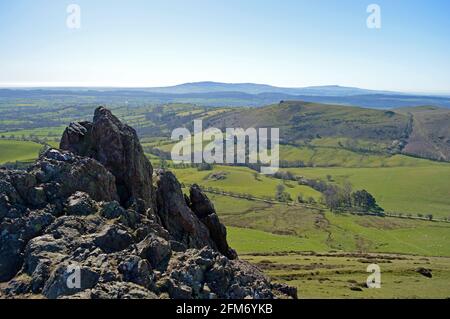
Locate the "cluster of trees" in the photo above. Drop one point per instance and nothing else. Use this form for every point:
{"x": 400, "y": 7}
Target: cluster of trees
{"x": 344, "y": 199}
{"x": 309, "y": 200}
{"x": 336, "y": 198}
{"x": 281, "y": 195}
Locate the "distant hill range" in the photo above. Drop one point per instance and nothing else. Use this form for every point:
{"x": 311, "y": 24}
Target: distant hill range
{"x": 252, "y": 88}
{"x": 242, "y": 94}
{"x": 418, "y": 131}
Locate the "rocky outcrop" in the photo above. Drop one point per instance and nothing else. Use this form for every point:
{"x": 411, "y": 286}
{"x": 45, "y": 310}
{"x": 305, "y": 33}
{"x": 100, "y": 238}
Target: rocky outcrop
{"x": 184, "y": 227}
{"x": 207, "y": 274}
{"x": 204, "y": 210}
{"x": 116, "y": 146}
{"x": 74, "y": 225}
{"x": 31, "y": 200}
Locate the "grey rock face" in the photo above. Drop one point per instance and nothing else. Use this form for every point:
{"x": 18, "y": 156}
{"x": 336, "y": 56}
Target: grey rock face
{"x": 176, "y": 216}
{"x": 117, "y": 147}
{"x": 156, "y": 250}
{"x": 208, "y": 274}
{"x": 80, "y": 204}
{"x": 87, "y": 227}
{"x": 61, "y": 174}
{"x": 113, "y": 238}
{"x": 60, "y": 282}
{"x": 204, "y": 210}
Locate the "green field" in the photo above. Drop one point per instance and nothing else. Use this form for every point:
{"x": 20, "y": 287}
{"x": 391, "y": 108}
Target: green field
{"x": 322, "y": 253}
{"x": 12, "y": 151}
{"x": 320, "y": 156}
{"x": 44, "y": 132}
{"x": 262, "y": 227}
{"x": 344, "y": 275}
{"x": 242, "y": 180}
{"x": 416, "y": 190}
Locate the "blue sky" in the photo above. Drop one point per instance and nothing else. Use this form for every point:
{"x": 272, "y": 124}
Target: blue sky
{"x": 286, "y": 43}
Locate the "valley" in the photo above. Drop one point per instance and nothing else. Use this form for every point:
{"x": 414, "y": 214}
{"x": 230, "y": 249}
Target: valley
{"x": 299, "y": 240}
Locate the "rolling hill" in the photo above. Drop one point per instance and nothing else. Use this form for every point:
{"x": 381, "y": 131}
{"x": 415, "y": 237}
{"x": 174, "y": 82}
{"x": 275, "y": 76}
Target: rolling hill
{"x": 253, "y": 88}
{"x": 421, "y": 131}
{"x": 430, "y": 137}
{"x": 227, "y": 94}
{"x": 300, "y": 121}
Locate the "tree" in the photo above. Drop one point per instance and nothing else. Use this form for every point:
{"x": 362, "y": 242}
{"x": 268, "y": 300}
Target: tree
{"x": 430, "y": 217}
{"x": 281, "y": 195}
{"x": 280, "y": 188}
{"x": 332, "y": 199}
{"x": 365, "y": 201}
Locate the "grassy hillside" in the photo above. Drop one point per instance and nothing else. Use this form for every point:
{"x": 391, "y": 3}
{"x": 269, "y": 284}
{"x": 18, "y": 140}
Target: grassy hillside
{"x": 303, "y": 121}
{"x": 338, "y": 275}
{"x": 328, "y": 156}
{"x": 12, "y": 151}
{"x": 242, "y": 180}
{"x": 337, "y": 144}
{"x": 420, "y": 189}
{"x": 257, "y": 227}
{"x": 430, "y": 136}
{"x": 419, "y": 131}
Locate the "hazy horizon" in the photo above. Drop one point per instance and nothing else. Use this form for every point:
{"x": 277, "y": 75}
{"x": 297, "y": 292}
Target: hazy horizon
{"x": 95, "y": 86}
{"x": 301, "y": 43}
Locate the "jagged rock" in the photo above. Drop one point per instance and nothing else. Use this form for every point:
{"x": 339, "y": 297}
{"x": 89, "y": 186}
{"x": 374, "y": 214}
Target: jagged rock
{"x": 37, "y": 197}
{"x": 61, "y": 283}
{"x": 120, "y": 290}
{"x": 200, "y": 273}
{"x": 96, "y": 212}
{"x": 156, "y": 250}
{"x": 176, "y": 216}
{"x": 61, "y": 174}
{"x": 117, "y": 147}
{"x": 7, "y": 189}
{"x": 11, "y": 259}
{"x": 112, "y": 239}
{"x": 112, "y": 210}
{"x": 136, "y": 270}
{"x": 14, "y": 234}
{"x": 80, "y": 204}
{"x": 204, "y": 209}
{"x": 285, "y": 290}
{"x": 23, "y": 183}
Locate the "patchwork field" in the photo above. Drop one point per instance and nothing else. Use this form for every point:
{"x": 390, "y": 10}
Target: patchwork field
{"x": 333, "y": 156}
{"x": 322, "y": 253}
{"x": 242, "y": 180}
{"x": 11, "y": 151}
{"x": 260, "y": 227}
{"x": 411, "y": 189}
{"x": 348, "y": 244}
{"x": 344, "y": 275}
